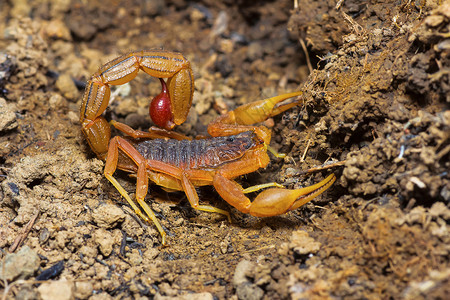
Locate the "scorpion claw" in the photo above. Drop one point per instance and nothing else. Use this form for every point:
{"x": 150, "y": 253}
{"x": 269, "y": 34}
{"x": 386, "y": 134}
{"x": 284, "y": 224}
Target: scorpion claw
{"x": 275, "y": 201}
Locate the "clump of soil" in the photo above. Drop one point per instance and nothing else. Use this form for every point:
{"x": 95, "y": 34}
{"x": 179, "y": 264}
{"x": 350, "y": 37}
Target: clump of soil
{"x": 375, "y": 78}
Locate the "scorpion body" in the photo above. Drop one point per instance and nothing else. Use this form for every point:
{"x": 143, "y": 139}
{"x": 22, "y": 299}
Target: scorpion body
{"x": 198, "y": 154}
{"x": 237, "y": 146}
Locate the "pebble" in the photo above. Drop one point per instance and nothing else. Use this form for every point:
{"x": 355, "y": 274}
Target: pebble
{"x": 243, "y": 268}
{"x": 255, "y": 51}
{"x": 101, "y": 296}
{"x": 302, "y": 243}
{"x": 108, "y": 216}
{"x": 56, "y": 29}
{"x": 249, "y": 292}
{"x": 245, "y": 289}
{"x": 8, "y": 119}
{"x": 60, "y": 289}
{"x": 434, "y": 20}
{"x": 196, "y": 296}
{"x": 220, "y": 24}
{"x": 83, "y": 289}
{"x": 20, "y": 8}
{"x": 20, "y": 265}
{"x": 154, "y": 7}
{"x": 105, "y": 241}
{"x": 67, "y": 87}
{"x": 134, "y": 257}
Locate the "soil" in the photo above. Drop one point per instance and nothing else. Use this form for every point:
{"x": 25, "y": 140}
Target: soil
{"x": 375, "y": 76}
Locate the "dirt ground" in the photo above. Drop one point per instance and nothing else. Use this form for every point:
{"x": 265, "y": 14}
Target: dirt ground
{"x": 375, "y": 76}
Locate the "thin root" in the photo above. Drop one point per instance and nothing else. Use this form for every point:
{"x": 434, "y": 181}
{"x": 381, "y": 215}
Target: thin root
{"x": 19, "y": 240}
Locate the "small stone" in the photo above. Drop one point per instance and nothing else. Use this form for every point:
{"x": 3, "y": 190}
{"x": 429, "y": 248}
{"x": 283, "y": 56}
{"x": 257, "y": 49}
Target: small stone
{"x": 434, "y": 20}
{"x": 255, "y": 51}
{"x": 151, "y": 253}
{"x": 61, "y": 289}
{"x": 56, "y": 29}
{"x": 67, "y": 87}
{"x": 249, "y": 292}
{"x": 153, "y": 7}
{"x": 73, "y": 117}
{"x": 220, "y": 24}
{"x": 245, "y": 289}
{"x": 83, "y": 289}
{"x": 196, "y": 15}
{"x": 88, "y": 253}
{"x": 195, "y": 296}
{"x": 134, "y": 257}
{"x": 302, "y": 243}
{"x": 8, "y": 119}
{"x": 108, "y": 216}
{"x": 20, "y": 265}
{"x": 56, "y": 100}
{"x": 243, "y": 268}
{"x": 101, "y": 296}
{"x": 105, "y": 241}
{"x": 440, "y": 210}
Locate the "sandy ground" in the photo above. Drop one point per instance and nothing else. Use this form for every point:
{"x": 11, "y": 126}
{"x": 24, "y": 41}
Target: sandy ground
{"x": 376, "y": 91}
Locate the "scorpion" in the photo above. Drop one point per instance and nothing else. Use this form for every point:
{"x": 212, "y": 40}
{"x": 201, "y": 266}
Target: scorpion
{"x": 174, "y": 161}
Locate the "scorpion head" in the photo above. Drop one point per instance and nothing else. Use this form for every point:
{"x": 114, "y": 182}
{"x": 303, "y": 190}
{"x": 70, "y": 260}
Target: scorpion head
{"x": 235, "y": 146}
{"x": 244, "y": 141}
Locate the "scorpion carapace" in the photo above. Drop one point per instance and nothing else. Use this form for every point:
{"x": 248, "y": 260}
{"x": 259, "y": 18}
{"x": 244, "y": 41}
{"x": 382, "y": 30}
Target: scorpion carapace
{"x": 196, "y": 154}
{"x": 237, "y": 147}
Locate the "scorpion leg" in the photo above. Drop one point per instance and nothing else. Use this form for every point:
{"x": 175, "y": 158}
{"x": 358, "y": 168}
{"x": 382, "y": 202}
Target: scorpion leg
{"x": 153, "y": 133}
{"x": 185, "y": 177}
{"x": 192, "y": 196}
{"x": 142, "y": 181}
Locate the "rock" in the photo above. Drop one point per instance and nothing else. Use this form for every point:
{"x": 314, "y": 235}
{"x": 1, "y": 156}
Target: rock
{"x": 105, "y": 241}
{"x": 153, "y": 7}
{"x": 101, "y": 296}
{"x": 20, "y": 8}
{"x": 243, "y": 268}
{"x": 195, "y": 296}
{"x": 245, "y": 289}
{"x": 67, "y": 87}
{"x": 255, "y": 51}
{"x": 134, "y": 257}
{"x": 302, "y": 243}
{"x": 83, "y": 289}
{"x": 56, "y": 29}
{"x": 8, "y": 118}
{"x": 108, "y": 216}
{"x": 61, "y": 290}
{"x": 249, "y": 291}
{"x": 20, "y": 265}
